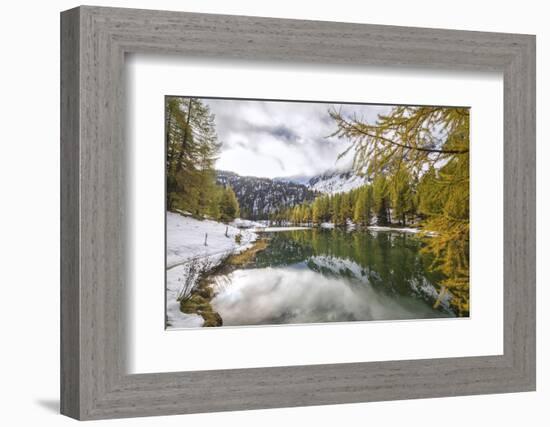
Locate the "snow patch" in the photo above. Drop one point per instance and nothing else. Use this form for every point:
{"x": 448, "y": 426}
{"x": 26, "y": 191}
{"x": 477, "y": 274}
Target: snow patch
{"x": 329, "y": 182}
{"x": 185, "y": 243}
{"x": 246, "y": 223}
{"x": 398, "y": 229}
{"x": 337, "y": 183}
{"x": 275, "y": 229}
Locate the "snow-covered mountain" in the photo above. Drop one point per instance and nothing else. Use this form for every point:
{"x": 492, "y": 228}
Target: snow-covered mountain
{"x": 330, "y": 182}
{"x": 296, "y": 179}
{"x": 336, "y": 182}
{"x": 258, "y": 197}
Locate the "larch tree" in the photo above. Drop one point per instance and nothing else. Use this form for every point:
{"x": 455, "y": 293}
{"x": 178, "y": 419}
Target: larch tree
{"x": 336, "y": 209}
{"x": 316, "y": 211}
{"x": 363, "y": 206}
{"x": 432, "y": 143}
{"x": 191, "y": 151}
{"x": 229, "y": 205}
{"x": 380, "y": 195}
{"x": 401, "y": 193}
{"x": 346, "y": 210}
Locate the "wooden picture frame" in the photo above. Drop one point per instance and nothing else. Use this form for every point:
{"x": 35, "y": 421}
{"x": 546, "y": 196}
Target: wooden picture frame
{"x": 94, "y": 41}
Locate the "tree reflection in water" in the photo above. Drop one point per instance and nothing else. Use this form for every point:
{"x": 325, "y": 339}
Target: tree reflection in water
{"x": 331, "y": 275}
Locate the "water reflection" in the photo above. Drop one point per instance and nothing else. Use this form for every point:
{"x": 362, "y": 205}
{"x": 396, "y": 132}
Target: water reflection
{"x": 329, "y": 276}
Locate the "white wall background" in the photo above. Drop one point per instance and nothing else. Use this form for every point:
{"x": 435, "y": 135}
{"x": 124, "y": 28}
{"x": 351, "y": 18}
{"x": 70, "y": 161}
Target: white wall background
{"x": 29, "y": 214}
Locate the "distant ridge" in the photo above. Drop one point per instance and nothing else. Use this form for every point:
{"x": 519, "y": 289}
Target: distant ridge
{"x": 258, "y": 197}
{"x": 329, "y": 182}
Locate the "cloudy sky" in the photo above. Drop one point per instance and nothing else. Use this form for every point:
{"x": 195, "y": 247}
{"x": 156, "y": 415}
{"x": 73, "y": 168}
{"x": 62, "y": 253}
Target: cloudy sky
{"x": 281, "y": 139}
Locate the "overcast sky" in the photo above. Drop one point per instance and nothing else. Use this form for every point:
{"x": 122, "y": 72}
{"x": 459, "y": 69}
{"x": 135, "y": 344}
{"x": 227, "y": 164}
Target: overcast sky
{"x": 281, "y": 139}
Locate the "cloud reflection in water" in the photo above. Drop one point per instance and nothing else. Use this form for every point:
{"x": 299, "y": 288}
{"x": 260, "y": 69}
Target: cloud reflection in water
{"x": 297, "y": 294}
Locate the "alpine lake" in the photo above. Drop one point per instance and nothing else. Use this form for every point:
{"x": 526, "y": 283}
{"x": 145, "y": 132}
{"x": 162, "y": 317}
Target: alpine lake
{"x": 328, "y": 275}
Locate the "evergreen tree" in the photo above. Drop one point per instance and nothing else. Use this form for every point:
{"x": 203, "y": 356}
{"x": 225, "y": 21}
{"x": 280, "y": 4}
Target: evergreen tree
{"x": 316, "y": 213}
{"x": 306, "y": 214}
{"x": 229, "y": 205}
{"x": 325, "y": 208}
{"x": 433, "y": 139}
{"x": 380, "y": 193}
{"x": 363, "y": 206}
{"x": 215, "y": 202}
{"x": 346, "y": 209}
{"x": 191, "y": 151}
{"x": 428, "y": 200}
{"x": 401, "y": 195}
{"x": 296, "y": 215}
{"x": 336, "y": 209}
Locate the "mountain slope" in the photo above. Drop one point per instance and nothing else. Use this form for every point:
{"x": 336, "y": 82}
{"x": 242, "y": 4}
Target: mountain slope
{"x": 336, "y": 182}
{"x": 258, "y": 197}
{"x": 330, "y": 182}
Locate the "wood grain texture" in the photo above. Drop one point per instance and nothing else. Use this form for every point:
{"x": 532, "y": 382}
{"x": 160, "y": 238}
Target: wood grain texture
{"x": 70, "y": 292}
{"x": 94, "y": 232}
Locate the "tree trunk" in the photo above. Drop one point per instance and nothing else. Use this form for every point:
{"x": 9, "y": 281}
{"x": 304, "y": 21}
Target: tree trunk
{"x": 168, "y": 125}
{"x": 184, "y": 139}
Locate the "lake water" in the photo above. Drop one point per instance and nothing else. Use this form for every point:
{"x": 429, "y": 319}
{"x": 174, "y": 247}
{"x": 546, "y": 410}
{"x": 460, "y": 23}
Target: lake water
{"x": 314, "y": 276}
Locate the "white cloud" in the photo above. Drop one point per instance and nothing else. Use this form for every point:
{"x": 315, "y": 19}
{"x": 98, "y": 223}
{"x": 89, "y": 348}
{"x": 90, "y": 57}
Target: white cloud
{"x": 276, "y": 139}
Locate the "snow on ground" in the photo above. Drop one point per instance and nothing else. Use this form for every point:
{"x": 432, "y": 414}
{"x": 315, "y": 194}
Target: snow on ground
{"x": 350, "y": 226}
{"x": 338, "y": 183}
{"x": 401, "y": 229}
{"x": 185, "y": 238}
{"x": 274, "y": 229}
{"x": 246, "y": 223}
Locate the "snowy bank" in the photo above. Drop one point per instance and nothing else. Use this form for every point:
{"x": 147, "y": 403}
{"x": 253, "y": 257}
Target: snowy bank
{"x": 246, "y": 223}
{"x": 403, "y": 230}
{"x": 400, "y": 229}
{"x": 185, "y": 238}
{"x": 275, "y": 229}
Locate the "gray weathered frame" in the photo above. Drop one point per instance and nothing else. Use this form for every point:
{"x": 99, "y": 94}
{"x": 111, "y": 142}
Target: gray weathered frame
{"x": 94, "y": 41}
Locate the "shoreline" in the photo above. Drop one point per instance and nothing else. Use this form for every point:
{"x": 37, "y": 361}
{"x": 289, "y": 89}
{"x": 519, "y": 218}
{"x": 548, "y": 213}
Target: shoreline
{"x": 351, "y": 227}
{"x": 189, "y": 259}
{"x": 199, "y": 300}
{"x": 192, "y": 247}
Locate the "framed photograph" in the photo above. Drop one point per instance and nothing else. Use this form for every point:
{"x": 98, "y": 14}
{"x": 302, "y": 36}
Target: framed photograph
{"x": 262, "y": 213}
{"x": 285, "y": 212}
